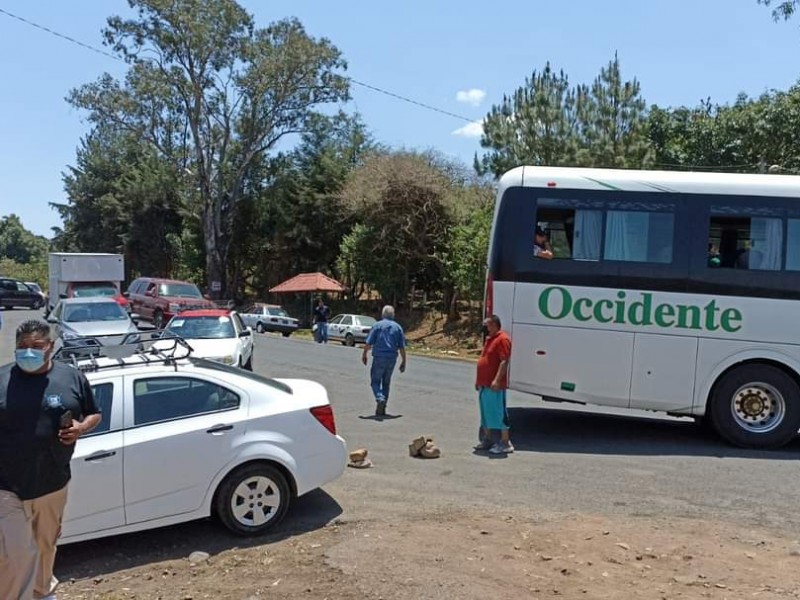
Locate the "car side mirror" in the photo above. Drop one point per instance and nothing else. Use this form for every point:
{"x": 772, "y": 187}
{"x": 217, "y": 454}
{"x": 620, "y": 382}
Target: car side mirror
{"x": 246, "y": 332}
{"x": 62, "y": 296}
{"x": 126, "y": 294}
{"x": 135, "y": 318}
{"x": 52, "y": 320}
{"x": 155, "y": 336}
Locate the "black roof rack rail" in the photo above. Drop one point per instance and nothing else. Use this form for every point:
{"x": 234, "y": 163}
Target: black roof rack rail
{"x": 83, "y": 353}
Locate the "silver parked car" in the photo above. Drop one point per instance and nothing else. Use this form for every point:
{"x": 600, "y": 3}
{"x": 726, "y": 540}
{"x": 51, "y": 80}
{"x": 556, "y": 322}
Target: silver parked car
{"x": 78, "y": 321}
{"x": 350, "y": 329}
{"x": 269, "y": 317}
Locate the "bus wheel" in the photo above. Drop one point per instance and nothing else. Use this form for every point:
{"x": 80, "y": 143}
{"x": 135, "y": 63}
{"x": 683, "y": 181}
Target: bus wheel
{"x": 756, "y": 406}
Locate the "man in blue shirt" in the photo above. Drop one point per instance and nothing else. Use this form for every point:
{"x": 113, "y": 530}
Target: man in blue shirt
{"x": 386, "y": 339}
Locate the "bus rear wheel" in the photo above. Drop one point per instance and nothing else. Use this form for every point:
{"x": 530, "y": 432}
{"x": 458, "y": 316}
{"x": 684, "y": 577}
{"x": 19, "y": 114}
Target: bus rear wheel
{"x": 756, "y": 406}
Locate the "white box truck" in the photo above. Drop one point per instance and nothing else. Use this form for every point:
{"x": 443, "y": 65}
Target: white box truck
{"x": 85, "y": 274}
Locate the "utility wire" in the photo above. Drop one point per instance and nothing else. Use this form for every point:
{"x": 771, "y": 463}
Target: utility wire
{"x": 60, "y": 35}
{"x": 354, "y": 81}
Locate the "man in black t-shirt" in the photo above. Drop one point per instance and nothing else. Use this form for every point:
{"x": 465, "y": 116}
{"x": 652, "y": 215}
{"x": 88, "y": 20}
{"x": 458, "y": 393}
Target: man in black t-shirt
{"x": 44, "y": 408}
{"x": 321, "y": 315}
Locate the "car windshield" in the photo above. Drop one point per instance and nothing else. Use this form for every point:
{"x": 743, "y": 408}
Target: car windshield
{"x": 93, "y": 311}
{"x": 277, "y": 312}
{"x": 365, "y": 321}
{"x": 94, "y": 291}
{"x": 198, "y": 328}
{"x": 179, "y": 290}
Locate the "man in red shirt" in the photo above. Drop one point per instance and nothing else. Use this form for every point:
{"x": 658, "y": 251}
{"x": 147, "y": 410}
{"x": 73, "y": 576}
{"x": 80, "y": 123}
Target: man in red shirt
{"x": 491, "y": 383}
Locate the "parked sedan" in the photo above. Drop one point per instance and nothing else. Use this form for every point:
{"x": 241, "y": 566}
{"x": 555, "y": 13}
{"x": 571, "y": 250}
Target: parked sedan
{"x": 16, "y": 293}
{"x": 215, "y": 334}
{"x": 350, "y": 329}
{"x": 185, "y": 438}
{"x": 269, "y": 317}
{"x": 99, "y": 321}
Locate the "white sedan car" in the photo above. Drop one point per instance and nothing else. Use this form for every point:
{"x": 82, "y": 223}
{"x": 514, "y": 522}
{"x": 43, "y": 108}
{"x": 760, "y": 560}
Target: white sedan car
{"x": 215, "y": 334}
{"x": 185, "y": 438}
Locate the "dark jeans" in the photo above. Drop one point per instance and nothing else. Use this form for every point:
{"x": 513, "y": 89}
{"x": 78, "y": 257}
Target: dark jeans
{"x": 381, "y": 377}
{"x": 322, "y": 332}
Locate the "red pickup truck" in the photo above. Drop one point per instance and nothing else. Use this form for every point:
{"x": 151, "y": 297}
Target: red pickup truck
{"x": 158, "y": 300}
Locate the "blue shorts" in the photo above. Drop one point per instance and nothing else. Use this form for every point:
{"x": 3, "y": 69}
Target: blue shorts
{"x": 493, "y": 408}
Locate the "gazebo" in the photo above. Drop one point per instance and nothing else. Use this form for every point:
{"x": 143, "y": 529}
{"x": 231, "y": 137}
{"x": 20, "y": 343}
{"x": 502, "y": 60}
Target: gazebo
{"x": 309, "y": 283}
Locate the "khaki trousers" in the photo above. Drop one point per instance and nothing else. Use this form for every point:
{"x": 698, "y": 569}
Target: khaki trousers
{"x": 29, "y": 531}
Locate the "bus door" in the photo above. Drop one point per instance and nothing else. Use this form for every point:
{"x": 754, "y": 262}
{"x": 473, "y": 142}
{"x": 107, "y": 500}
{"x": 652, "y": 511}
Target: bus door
{"x": 563, "y": 359}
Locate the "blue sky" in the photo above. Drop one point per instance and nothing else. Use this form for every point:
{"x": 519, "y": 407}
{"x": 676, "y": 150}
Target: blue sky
{"x": 680, "y": 50}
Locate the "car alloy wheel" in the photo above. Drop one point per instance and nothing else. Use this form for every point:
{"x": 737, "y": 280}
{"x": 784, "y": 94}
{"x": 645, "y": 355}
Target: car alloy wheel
{"x": 253, "y": 499}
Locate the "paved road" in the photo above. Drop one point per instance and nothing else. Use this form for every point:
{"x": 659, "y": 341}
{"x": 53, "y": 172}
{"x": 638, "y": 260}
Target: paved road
{"x": 567, "y": 460}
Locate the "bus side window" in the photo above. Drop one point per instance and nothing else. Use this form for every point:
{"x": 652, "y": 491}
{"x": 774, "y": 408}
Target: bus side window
{"x": 746, "y": 243}
{"x": 570, "y": 232}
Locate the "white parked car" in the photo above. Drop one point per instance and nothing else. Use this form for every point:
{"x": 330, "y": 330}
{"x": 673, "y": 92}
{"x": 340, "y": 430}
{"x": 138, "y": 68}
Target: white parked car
{"x": 350, "y": 329}
{"x": 185, "y": 438}
{"x": 269, "y": 317}
{"x": 215, "y": 334}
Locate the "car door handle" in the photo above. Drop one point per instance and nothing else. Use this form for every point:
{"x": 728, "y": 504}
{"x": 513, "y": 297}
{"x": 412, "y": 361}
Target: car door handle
{"x": 219, "y": 429}
{"x": 100, "y": 456}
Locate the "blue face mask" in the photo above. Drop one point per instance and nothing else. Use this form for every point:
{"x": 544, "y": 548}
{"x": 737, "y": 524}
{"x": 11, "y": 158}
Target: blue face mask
{"x": 29, "y": 359}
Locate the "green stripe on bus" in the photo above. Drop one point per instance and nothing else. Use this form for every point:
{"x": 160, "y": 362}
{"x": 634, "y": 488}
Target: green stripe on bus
{"x": 604, "y": 184}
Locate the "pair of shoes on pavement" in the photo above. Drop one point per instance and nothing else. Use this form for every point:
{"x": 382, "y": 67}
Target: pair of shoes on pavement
{"x": 501, "y": 448}
{"x": 380, "y": 409}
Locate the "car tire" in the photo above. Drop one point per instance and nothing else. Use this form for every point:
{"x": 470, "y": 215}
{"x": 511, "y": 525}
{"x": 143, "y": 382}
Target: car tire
{"x": 260, "y": 327}
{"x": 756, "y": 406}
{"x": 37, "y": 304}
{"x": 158, "y": 319}
{"x": 349, "y": 340}
{"x": 242, "y": 499}
{"x": 286, "y": 333}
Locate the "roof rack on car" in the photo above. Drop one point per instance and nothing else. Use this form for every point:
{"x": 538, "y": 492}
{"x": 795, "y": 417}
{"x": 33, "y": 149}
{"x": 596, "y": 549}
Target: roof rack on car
{"x": 84, "y": 353}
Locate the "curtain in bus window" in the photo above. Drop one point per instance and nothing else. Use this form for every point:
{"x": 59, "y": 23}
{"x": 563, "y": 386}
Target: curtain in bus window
{"x": 588, "y": 232}
{"x": 639, "y": 236}
{"x": 766, "y": 243}
{"x": 626, "y": 236}
{"x": 793, "y": 245}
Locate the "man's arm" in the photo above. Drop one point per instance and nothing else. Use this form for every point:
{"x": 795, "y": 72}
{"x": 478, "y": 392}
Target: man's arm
{"x": 500, "y": 376}
{"x": 364, "y": 358}
{"x": 69, "y": 435}
{"x": 403, "y": 360}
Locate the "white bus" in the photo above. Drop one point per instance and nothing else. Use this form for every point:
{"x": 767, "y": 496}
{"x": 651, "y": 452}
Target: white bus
{"x": 665, "y": 291}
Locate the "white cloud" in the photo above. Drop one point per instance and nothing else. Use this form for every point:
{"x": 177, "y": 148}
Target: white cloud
{"x": 473, "y": 97}
{"x": 470, "y": 130}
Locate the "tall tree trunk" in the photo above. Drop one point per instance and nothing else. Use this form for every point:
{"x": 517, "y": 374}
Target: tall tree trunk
{"x": 216, "y": 273}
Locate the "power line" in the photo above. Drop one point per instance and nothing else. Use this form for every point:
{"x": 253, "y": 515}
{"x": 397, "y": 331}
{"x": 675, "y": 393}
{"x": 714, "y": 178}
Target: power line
{"x": 410, "y": 101}
{"x": 350, "y": 79}
{"x": 60, "y": 35}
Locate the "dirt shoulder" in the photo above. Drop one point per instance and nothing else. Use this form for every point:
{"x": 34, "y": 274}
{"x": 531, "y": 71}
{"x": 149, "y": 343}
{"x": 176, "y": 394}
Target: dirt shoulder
{"x": 462, "y": 555}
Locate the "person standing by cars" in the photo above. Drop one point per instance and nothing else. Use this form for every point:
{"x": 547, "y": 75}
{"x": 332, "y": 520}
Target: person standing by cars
{"x": 321, "y": 316}
{"x": 386, "y": 339}
{"x": 44, "y": 408}
{"x": 491, "y": 383}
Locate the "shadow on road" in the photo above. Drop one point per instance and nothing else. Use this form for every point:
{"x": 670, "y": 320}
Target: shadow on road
{"x": 567, "y": 431}
{"x": 89, "y": 559}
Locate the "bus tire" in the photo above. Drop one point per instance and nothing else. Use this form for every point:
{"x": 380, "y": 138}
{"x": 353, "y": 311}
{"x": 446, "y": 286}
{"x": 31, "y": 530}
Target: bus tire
{"x": 756, "y": 406}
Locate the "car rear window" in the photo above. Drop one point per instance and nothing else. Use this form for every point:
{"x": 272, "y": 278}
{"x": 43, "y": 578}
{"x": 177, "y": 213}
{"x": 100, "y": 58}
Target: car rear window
{"x": 216, "y": 366}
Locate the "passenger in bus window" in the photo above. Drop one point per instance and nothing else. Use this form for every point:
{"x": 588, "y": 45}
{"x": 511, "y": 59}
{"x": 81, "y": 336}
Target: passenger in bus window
{"x": 713, "y": 257}
{"x": 541, "y": 247}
